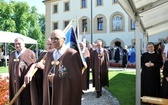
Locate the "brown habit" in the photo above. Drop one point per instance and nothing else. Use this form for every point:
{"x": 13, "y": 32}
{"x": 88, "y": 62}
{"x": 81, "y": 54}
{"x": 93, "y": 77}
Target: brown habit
{"x": 85, "y": 75}
{"x": 37, "y": 82}
{"x": 99, "y": 72}
{"x": 17, "y": 70}
{"x": 66, "y": 90}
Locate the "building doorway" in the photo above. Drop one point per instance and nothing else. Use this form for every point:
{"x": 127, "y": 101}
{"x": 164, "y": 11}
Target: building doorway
{"x": 117, "y": 43}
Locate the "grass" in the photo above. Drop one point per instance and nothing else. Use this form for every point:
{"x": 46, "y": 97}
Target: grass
{"x": 122, "y": 86}
{"x": 3, "y": 69}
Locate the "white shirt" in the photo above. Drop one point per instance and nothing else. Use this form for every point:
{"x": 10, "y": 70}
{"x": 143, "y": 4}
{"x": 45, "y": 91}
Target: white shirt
{"x": 101, "y": 50}
{"x": 17, "y": 55}
{"x": 58, "y": 53}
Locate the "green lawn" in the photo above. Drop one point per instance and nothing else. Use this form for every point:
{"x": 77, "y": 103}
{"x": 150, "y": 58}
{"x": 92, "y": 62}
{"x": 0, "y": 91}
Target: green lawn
{"x": 122, "y": 86}
{"x": 3, "y": 69}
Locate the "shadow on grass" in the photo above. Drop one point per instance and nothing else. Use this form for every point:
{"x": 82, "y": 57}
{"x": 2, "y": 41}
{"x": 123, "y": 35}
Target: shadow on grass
{"x": 122, "y": 86}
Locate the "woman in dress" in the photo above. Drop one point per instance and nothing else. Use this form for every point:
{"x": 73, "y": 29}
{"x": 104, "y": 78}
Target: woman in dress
{"x": 151, "y": 62}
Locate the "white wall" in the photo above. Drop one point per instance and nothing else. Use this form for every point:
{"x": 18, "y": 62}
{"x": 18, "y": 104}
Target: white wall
{"x": 107, "y": 10}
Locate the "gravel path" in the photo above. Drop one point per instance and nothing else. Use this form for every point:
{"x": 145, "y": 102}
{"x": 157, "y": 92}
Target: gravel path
{"x": 89, "y": 98}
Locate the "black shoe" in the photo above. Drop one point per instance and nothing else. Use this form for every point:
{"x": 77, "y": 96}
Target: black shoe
{"x": 98, "y": 96}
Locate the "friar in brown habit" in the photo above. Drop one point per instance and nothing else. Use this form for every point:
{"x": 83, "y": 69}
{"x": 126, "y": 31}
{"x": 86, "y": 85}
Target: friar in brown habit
{"x": 85, "y": 75}
{"x": 99, "y": 65}
{"x": 19, "y": 63}
{"x": 37, "y": 79}
{"x": 63, "y": 72}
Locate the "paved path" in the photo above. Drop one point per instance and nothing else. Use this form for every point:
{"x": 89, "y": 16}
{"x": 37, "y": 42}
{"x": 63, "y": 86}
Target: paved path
{"x": 89, "y": 98}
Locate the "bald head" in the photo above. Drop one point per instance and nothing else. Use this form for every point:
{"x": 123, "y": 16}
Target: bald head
{"x": 57, "y": 38}
{"x": 59, "y": 33}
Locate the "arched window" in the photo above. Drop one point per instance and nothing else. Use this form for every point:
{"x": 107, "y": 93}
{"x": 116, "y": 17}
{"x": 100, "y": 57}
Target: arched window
{"x": 84, "y": 25}
{"x": 100, "y": 24}
{"x": 117, "y": 23}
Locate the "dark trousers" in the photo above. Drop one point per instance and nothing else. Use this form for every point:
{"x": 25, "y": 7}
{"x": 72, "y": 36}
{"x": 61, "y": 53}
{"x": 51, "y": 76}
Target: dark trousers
{"x": 2, "y": 62}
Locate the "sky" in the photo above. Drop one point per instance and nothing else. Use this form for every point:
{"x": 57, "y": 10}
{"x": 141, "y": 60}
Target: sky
{"x": 37, "y": 3}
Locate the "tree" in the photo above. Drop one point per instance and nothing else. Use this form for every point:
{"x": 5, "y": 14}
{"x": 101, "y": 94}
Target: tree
{"x": 6, "y": 21}
{"x": 20, "y": 18}
{"x": 41, "y": 22}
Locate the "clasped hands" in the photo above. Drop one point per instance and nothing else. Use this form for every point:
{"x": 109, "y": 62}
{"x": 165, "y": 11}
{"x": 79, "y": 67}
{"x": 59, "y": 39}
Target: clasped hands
{"x": 149, "y": 64}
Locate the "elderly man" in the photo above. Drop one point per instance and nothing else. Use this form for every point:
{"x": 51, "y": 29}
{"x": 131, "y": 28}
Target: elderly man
{"x": 62, "y": 71}
{"x": 19, "y": 62}
{"x": 99, "y": 65}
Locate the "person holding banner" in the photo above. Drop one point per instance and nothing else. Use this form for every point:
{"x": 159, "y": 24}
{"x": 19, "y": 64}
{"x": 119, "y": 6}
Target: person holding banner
{"x": 19, "y": 62}
{"x": 99, "y": 65}
{"x": 85, "y": 75}
{"x": 63, "y": 71}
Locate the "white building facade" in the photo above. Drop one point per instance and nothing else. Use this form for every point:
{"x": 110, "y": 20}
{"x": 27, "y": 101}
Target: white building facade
{"x": 110, "y": 23}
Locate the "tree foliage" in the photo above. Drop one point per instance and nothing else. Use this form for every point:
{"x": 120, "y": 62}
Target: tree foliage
{"x": 19, "y": 17}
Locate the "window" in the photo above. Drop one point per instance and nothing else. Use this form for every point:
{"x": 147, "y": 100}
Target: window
{"x": 55, "y": 26}
{"x": 83, "y": 3}
{"x": 117, "y": 23}
{"x": 100, "y": 23}
{"x": 66, "y": 23}
{"x": 99, "y": 2}
{"x": 55, "y": 7}
{"x": 84, "y": 25}
{"x": 115, "y": 1}
{"x": 66, "y": 6}
{"x": 132, "y": 25}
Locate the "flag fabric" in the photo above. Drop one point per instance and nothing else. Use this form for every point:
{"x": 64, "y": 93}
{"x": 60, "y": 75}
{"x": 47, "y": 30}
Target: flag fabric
{"x": 73, "y": 42}
{"x": 70, "y": 38}
{"x": 77, "y": 31}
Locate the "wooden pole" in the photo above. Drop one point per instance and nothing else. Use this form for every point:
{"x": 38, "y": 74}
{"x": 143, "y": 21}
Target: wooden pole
{"x": 17, "y": 94}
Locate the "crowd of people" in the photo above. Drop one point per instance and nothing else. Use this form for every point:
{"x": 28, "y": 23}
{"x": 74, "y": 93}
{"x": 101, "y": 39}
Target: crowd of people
{"x": 59, "y": 79}
{"x": 122, "y": 55}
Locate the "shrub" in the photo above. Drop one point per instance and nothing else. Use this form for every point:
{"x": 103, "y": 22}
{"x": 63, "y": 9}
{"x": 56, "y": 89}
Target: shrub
{"x": 4, "y": 90}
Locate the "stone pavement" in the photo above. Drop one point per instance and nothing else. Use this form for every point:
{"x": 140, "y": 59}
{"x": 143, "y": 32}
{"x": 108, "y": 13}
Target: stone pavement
{"x": 89, "y": 98}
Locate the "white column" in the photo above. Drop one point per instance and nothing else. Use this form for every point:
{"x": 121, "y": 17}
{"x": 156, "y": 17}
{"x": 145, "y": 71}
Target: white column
{"x": 145, "y": 42}
{"x": 6, "y": 55}
{"x": 138, "y": 63}
{"x": 37, "y": 51}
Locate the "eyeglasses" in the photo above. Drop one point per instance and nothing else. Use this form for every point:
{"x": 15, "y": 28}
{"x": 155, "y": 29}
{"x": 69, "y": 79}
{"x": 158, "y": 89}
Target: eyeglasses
{"x": 56, "y": 38}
